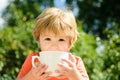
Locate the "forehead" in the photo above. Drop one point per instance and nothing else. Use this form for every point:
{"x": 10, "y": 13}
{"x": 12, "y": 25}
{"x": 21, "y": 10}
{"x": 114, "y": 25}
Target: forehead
{"x": 52, "y": 34}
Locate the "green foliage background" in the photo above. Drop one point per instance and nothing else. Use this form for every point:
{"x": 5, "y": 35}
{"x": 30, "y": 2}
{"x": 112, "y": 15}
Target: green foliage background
{"x": 101, "y": 54}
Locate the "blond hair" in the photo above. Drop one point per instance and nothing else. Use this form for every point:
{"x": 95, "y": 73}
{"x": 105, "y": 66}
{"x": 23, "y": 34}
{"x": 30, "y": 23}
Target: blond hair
{"x": 56, "y": 20}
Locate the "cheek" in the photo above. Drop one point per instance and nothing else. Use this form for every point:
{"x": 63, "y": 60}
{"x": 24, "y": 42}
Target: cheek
{"x": 44, "y": 47}
{"x": 64, "y": 47}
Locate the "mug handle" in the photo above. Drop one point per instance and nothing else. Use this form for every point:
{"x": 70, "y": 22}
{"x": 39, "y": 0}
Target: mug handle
{"x": 33, "y": 58}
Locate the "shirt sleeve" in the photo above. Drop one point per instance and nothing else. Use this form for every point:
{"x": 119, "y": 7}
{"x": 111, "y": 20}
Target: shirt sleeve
{"x": 81, "y": 68}
{"x": 26, "y": 67}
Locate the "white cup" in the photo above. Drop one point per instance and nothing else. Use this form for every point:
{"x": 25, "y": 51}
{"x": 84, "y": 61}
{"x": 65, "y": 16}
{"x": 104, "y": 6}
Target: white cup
{"x": 51, "y": 59}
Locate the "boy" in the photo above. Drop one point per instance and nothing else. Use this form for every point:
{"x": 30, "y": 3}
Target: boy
{"x": 55, "y": 30}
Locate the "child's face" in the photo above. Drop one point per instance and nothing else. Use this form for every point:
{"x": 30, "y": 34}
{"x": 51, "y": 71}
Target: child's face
{"x": 50, "y": 42}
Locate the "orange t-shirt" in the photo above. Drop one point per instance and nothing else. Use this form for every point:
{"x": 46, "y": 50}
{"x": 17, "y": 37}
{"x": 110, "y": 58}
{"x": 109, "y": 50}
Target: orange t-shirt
{"x": 26, "y": 67}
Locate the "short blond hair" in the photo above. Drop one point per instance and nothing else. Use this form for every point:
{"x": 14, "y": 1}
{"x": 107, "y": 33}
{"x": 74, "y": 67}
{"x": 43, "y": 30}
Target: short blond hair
{"x": 56, "y": 20}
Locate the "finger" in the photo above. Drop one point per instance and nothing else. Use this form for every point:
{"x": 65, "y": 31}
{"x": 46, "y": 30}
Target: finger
{"x": 64, "y": 67}
{"x": 37, "y": 67}
{"x": 72, "y": 58}
{"x": 37, "y": 64}
{"x": 57, "y": 71}
{"x": 45, "y": 76}
{"x": 61, "y": 77}
{"x": 43, "y": 69}
{"x": 62, "y": 74}
{"x": 60, "y": 71}
{"x": 68, "y": 62}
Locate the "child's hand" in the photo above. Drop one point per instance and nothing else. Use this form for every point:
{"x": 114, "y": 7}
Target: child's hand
{"x": 70, "y": 71}
{"x": 39, "y": 73}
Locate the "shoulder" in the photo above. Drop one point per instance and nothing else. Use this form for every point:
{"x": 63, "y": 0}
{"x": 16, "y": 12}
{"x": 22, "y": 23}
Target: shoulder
{"x": 34, "y": 53}
{"x": 29, "y": 57}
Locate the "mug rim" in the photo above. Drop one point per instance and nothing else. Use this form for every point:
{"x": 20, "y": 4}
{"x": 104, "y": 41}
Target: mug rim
{"x": 53, "y": 51}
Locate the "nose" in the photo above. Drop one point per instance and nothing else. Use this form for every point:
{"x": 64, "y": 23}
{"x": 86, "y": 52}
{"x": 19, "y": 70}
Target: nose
{"x": 54, "y": 46}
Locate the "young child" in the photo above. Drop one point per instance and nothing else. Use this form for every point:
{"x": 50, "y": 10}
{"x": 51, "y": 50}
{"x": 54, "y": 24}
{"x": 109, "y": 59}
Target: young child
{"x": 55, "y": 30}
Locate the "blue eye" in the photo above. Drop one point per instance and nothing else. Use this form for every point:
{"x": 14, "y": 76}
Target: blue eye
{"x": 48, "y": 39}
{"x": 61, "y": 40}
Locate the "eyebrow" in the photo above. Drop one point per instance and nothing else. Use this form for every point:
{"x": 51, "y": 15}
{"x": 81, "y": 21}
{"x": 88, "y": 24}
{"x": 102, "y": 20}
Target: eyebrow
{"x": 53, "y": 36}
